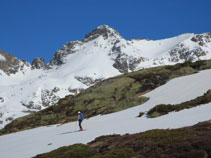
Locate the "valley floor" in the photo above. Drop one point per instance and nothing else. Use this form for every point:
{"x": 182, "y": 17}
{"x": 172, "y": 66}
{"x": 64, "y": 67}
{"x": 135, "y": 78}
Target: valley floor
{"x": 40, "y": 140}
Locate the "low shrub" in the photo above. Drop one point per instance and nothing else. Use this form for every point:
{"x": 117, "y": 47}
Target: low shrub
{"x": 74, "y": 151}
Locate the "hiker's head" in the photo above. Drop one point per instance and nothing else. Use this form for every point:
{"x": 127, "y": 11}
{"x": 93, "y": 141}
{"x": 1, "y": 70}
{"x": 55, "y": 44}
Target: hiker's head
{"x": 79, "y": 112}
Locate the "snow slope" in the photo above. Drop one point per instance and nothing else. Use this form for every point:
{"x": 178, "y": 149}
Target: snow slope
{"x": 103, "y": 53}
{"x": 35, "y": 141}
{"x": 37, "y": 89}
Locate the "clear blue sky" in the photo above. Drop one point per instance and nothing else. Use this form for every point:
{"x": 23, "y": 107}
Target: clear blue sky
{"x": 37, "y": 28}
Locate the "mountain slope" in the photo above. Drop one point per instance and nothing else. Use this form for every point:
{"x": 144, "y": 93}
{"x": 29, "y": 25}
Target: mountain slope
{"x": 110, "y": 95}
{"x": 39, "y": 140}
{"x": 103, "y": 53}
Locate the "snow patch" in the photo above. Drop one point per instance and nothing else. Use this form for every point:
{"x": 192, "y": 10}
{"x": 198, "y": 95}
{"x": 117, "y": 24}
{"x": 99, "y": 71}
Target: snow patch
{"x": 2, "y": 58}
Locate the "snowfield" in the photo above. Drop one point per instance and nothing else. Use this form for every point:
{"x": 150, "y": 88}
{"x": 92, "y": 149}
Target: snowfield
{"x": 40, "y": 140}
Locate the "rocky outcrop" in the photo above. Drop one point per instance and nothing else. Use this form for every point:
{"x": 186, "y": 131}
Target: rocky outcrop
{"x": 11, "y": 64}
{"x": 123, "y": 62}
{"x": 88, "y": 80}
{"x": 49, "y": 97}
{"x": 202, "y": 39}
{"x": 59, "y": 56}
{"x": 181, "y": 52}
{"x": 126, "y": 64}
{"x": 103, "y": 30}
{"x": 38, "y": 63}
{"x": 134, "y": 62}
{"x": 75, "y": 91}
{"x": 1, "y": 99}
{"x": 31, "y": 105}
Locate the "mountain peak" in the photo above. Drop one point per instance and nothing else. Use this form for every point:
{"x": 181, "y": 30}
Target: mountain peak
{"x": 105, "y": 27}
{"x": 102, "y": 30}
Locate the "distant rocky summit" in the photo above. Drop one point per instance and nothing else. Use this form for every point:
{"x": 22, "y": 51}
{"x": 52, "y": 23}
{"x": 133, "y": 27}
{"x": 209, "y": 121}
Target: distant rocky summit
{"x": 10, "y": 64}
{"x": 38, "y": 63}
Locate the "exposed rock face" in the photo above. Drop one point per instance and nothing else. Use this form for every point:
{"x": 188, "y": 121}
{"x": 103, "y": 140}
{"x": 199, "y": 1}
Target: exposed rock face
{"x": 38, "y": 63}
{"x": 202, "y": 39}
{"x": 88, "y": 80}
{"x": 181, "y": 52}
{"x": 49, "y": 97}
{"x": 74, "y": 90}
{"x": 10, "y": 119}
{"x": 1, "y": 100}
{"x": 11, "y": 64}
{"x": 31, "y": 105}
{"x": 103, "y": 30}
{"x": 59, "y": 56}
{"x": 123, "y": 62}
{"x": 185, "y": 53}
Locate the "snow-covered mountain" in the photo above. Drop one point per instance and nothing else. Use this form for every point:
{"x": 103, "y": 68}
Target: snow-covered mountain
{"x": 103, "y": 53}
{"x": 31, "y": 142}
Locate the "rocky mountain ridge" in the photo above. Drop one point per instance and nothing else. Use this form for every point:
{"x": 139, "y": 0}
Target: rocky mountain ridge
{"x": 103, "y": 53}
{"x": 191, "y": 47}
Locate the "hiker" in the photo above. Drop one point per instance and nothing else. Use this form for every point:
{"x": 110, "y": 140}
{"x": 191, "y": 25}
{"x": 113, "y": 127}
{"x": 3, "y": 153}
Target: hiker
{"x": 80, "y": 119}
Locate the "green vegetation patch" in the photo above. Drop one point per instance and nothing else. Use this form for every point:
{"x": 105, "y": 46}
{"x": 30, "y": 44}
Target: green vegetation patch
{"x": 73, "y": 151}
{"x": 120, "y": 153}
{"x": 161, "y": 137}
{"x": 163, "y": 109}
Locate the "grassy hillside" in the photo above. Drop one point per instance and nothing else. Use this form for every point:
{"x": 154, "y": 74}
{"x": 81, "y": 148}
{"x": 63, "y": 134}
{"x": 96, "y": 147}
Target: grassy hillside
{"x": 108, "y": 96}
{"x": 163, "y": 109}
{"x": 189, "y": 142}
